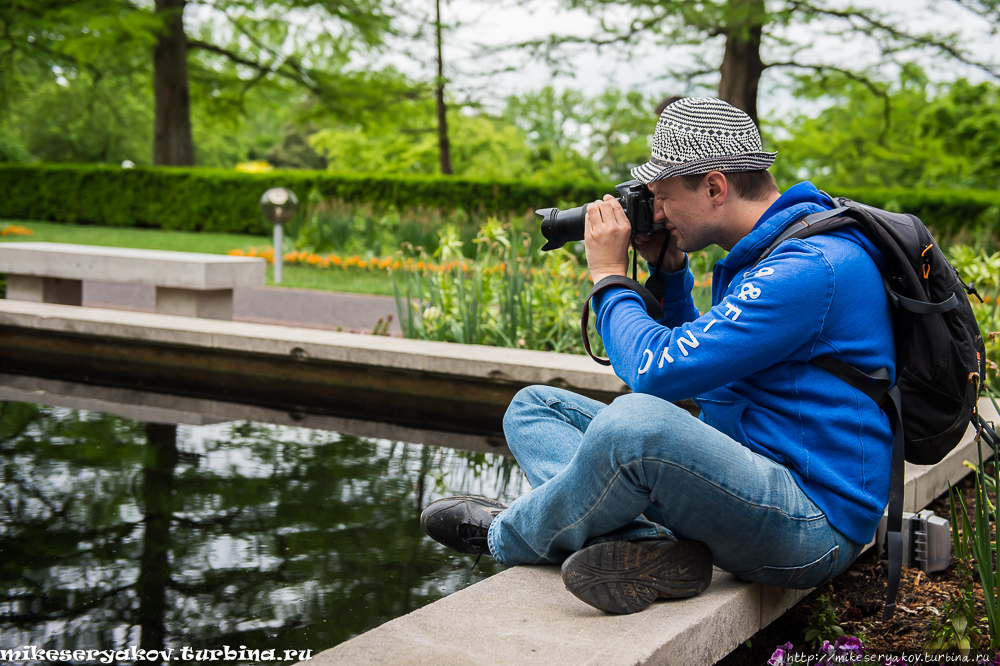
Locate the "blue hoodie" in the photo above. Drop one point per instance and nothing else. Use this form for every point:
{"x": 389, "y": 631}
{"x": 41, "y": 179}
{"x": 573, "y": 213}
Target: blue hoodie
{"x": 746, "y": 363}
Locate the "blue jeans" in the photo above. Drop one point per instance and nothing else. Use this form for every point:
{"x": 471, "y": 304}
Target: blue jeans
{"x": 643, "y": 468}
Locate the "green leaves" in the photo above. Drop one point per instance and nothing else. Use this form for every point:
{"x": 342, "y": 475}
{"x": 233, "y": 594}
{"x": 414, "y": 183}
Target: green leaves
{"x": 823, "y": 623}
{"x": 223, "y": 200}
{"x": 975, "y": 550}
{"x": 509, "y": 295}
{"x": 945, "y": 136}
{"x": 100, "y": 51}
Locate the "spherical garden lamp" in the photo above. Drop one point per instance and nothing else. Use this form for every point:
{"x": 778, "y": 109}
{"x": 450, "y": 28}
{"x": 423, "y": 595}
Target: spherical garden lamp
{"x": 278, "y": 205}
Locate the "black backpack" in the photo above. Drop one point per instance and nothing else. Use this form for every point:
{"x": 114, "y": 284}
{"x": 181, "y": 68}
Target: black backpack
{"x": 940, "y": 355}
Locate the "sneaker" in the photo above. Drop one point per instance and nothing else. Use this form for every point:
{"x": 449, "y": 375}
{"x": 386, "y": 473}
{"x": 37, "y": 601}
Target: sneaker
{"x": 627, "y": 576}
{"x": 461, "y": 523}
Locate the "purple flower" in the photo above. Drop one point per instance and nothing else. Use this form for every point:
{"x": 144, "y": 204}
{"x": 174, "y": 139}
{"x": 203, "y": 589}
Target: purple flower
{"x": 782, "y": 651}
{"x": 845, "y": 650}
{"x": 849, "y": 645}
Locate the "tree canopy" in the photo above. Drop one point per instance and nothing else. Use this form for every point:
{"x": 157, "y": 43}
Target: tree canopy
{"x": 937, "y": 135}
{"x": 303, "y": 84}
{"x": 736, "y": 41}
{"x": 216, "y": 53}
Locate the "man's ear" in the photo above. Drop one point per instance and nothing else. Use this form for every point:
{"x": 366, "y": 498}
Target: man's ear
{"x": 718, "y": 187}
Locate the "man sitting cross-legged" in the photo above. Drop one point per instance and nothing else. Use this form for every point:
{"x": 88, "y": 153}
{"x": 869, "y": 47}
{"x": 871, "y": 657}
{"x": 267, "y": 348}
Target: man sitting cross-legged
{"x": 785, "y": 475}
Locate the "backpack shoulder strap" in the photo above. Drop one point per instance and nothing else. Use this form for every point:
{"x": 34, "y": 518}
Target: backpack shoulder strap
{"x": 830, "y": 219}
{"x": 876, "y": 386}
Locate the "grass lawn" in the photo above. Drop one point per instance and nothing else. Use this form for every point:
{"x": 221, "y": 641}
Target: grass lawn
{"x": 302, "y": 277}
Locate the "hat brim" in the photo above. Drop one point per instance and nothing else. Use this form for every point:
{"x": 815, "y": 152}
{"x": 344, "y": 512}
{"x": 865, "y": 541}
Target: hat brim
{"x": 651, "y": 171}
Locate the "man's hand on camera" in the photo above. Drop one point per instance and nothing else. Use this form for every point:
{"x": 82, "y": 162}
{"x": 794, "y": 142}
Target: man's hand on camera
{"x": 606, "y": 238}
{"x": 649, "y": 246}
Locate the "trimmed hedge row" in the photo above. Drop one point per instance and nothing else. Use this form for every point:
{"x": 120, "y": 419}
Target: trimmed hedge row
{"x": 946, "y": 212}
{"x": 197, "y": 199}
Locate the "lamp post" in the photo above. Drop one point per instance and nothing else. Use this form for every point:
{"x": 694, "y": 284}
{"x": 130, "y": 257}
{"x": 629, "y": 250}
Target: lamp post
{"x": 278, "y": 206}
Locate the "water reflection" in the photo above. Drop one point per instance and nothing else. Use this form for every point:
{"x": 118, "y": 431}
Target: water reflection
{"x": 116, "y": 533}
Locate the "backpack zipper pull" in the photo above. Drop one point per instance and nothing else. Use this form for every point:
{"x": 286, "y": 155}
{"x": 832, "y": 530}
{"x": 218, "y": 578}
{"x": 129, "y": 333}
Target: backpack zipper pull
{"x": 970, "y": 288}
{"x": 926, "y": 261}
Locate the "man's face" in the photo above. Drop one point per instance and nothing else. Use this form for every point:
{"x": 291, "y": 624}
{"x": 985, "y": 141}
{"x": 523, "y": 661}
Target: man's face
{"x": 689, "y": 216}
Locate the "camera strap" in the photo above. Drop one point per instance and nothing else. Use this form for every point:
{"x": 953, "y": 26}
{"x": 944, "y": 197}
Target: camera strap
{"x": 654, "y": 283}
{"x": 653, "y": 307}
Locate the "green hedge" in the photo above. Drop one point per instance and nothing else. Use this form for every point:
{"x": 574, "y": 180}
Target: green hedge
{"x": 946, "y": 212}
{"x": 196, "y": 199}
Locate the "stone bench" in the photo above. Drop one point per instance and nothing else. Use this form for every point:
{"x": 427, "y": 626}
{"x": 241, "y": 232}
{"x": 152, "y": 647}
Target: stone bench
{"x": 189, "y": 284}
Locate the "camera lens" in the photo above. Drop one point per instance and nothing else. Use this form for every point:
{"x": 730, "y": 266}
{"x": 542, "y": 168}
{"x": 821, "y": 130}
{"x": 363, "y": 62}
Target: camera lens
{"x": 562, "y": 226}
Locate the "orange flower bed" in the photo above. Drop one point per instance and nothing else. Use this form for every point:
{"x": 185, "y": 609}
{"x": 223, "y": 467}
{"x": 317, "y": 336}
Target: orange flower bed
{"x": 355, "y": 261}
{"x": 15, "y": 230}
{"x": 394, "y": 263}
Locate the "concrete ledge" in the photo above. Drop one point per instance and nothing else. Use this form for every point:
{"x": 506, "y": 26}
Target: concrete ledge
{"x": 523, "y": 615}
{"x": 478, "y": 361}
{"x": 407, "y": 382}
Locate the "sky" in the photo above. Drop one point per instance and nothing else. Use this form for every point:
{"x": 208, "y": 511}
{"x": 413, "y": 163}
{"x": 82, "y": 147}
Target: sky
{"x": 504, "y": 22}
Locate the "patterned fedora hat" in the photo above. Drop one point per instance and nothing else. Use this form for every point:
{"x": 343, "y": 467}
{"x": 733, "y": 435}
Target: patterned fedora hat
{"x": 702, "y": 134}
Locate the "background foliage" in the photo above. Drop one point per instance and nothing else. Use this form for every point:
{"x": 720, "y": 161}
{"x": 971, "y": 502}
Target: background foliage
{"x": 918, "y": 135}
{"x": 221, "y": 200}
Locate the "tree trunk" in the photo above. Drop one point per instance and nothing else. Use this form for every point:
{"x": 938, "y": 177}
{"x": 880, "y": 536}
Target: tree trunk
{"x": 154, "y": 562}
{"x": 172, "y": 143}
{"x": 741, "y": 64}
{"x": 444, "y": 146}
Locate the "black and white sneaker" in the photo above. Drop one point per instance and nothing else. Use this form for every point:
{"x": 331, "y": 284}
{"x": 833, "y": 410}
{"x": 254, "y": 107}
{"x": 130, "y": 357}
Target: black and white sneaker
{"x": 627, "y": 576}
{"x": 461, "y": 523}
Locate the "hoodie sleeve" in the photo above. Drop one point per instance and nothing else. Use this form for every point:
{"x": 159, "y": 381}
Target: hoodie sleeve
{"x": 778, "y": 307}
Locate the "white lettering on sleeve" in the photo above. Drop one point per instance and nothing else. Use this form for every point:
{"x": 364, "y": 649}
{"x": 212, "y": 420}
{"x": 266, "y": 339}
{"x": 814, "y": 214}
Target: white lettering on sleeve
{"x": 681, "y": 341}
{"x": 647, "y": 362}
{"x": 748, "y": 291}
{"x": 665, "y": 355}
{"x": 732, "y": 308}
{"x": 709, "y": 325}
{"x": 764, "y": 272}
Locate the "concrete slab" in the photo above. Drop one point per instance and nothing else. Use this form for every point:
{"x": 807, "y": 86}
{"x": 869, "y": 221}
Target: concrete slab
{"x": 523, "y": 615}
{"x": 181, "y": 270}
{"x": 474, "y": 361}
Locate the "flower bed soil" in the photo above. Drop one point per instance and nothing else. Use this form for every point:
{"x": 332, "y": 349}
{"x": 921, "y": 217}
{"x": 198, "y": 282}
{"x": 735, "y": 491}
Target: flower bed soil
{"x": 858, "y": 597}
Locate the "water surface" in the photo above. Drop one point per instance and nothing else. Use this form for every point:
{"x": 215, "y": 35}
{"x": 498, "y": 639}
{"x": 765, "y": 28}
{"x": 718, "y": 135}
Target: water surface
{"x": 118, "y": 533}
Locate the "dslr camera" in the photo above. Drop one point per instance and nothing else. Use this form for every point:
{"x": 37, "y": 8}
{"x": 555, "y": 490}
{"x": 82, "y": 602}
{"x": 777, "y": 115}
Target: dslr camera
{"x": 563, "y": 226}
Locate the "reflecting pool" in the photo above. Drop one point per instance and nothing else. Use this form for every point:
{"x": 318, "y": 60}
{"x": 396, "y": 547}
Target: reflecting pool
{"x": 118, "y": 533}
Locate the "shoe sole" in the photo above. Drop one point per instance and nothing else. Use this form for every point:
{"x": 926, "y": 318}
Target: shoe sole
{"x": 624, "y": 577}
